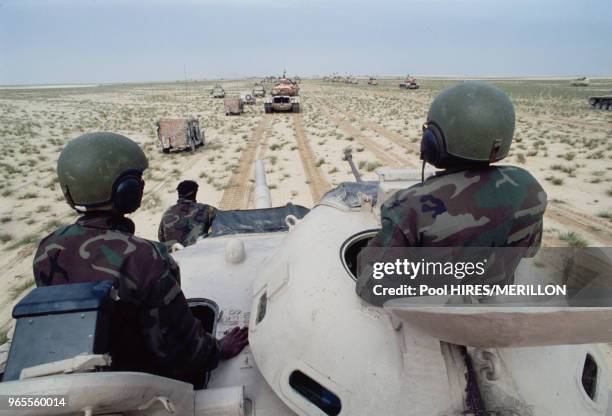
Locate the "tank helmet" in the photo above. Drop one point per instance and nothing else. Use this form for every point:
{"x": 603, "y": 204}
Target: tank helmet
{"x": 187, "y": 189}
{"x": 468, "y": 123}
{"x": 102, "y": 171}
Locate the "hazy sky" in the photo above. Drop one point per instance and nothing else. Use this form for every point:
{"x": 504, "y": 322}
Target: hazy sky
{"x": 81, "y": 41}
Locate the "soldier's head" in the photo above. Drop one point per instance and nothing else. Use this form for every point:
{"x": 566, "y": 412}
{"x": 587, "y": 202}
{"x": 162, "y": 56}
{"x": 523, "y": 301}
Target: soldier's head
{"x": 187, "y": 190}
{"x": 102, "y": 172}
{"x": 470, "y": 124}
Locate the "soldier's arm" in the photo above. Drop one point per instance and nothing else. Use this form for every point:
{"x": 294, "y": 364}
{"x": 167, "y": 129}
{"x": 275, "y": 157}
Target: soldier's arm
{"x": 174, "y": 336}
{"x": 392, "y": 233}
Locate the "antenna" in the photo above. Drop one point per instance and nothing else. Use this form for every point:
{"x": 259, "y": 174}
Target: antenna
{"x": 186, "y": 92}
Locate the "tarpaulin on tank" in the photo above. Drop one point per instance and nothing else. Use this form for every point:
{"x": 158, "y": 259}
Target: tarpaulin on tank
{"x": 265, "y": 220}
{"x": 346, "y": 194}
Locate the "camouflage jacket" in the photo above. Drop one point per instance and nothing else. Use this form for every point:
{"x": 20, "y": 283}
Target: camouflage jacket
{"x": 496, "y": 206}
{"x": 184, "y": 222}
{"x": 157, "y": 332}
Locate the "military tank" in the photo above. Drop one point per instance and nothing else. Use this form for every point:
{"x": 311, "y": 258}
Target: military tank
{"x": 372, "y": 81}
{"x": 409, "y": 83}
{"x": 315, "y": 347}
{"x": 580, "y": 82}
{"x": 602, "y": 102}
{"x": 218, "y": 91}
{"x": 259, "y": 90}
{"x": 283, "y": 97}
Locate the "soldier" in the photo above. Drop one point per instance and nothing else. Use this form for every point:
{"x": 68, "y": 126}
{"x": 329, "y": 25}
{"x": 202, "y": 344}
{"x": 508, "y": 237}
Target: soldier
{"x": 101, "y": 177}
{"x": 187, "y": 220}
{"x": 470, "y": 203}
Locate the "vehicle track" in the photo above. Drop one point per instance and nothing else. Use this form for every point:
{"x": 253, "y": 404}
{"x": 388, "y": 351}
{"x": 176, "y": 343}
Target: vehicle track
{"x": 598, "y": 229}
{"x": 237, "y": 190}
{"x": 317, "y": 182}
{"x": 601, "y": 127}
{"x": 384, "y": 156}
{"x": 393, "y": 137}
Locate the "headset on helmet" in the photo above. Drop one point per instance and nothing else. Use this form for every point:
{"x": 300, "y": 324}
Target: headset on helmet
{"x": 127, "y": 192}
{"x": 433, "y": 149}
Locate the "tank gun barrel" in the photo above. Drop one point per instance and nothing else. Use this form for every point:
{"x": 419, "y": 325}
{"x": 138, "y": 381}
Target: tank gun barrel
{"x": 262, "y": 192}
{"x": 348, "y": 156}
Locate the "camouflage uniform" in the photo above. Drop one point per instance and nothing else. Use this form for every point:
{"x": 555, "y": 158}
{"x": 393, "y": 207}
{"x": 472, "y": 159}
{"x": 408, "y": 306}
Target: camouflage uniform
{"x": 494, "y": 206}
{"x": 157, "y": 332}
{"x": 184, "y": 222}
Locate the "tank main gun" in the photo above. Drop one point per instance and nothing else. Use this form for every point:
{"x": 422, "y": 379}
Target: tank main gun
{"x": 262, "y": 192}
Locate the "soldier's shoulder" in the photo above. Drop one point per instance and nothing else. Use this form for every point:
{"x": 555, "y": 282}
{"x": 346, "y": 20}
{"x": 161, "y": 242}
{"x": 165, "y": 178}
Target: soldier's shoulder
{"x": 203, "y": 206}
{"x": 171, "y": 209}
{"x": 405, "y": 197}
{"x": 154, "y": 249}
{"x": 518, "y": 173}
{"x": 63, "y": 232}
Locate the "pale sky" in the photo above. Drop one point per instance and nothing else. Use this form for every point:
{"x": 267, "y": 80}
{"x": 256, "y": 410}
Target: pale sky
{"x": 92, "y": 41}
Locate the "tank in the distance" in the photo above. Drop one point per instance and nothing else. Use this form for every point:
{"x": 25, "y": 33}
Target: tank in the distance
{"x": 283, "y": 97}
{"x": 580, "y": 82}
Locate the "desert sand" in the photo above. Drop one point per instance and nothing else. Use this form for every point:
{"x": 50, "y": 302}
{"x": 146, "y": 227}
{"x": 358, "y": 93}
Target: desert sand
{"x": 559, "y": 138}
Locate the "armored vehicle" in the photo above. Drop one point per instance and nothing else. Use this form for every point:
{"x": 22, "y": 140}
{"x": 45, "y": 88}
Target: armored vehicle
{"x": 580, "y": 82}
{"x": 372, "y": 81}
{"x": 233, "y": 106}
{"x": 316, "y": 348}
{"x": 282, "y": 103}
{"x": 409, "y": 83}
{"x": 179, "y": 134}
{"x": 218, "y": 91}
{"x": 283, "y": 97}
{"x": 247, "y": 97}
{"x": 259, "y": 90}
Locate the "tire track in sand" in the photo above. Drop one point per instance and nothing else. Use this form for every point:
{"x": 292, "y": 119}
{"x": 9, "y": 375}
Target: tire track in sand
{"x": 236, "y": 191}
{"x": 317, "y": 182}
{"x": 387, "y": 158}
{"x": 598, "y": 229}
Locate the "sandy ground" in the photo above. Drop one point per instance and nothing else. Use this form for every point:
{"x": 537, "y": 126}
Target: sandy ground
{"x": 559, "y": 138}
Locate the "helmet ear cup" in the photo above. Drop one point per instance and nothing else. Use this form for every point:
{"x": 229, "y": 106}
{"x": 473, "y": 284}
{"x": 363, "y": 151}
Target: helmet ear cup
{"x": 128, "y": 194}
{"x": 430, "y": 147}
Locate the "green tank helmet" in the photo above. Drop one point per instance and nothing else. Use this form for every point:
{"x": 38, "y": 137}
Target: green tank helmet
{"x": 475, "y": 121}
{"x": 102, "y": 171}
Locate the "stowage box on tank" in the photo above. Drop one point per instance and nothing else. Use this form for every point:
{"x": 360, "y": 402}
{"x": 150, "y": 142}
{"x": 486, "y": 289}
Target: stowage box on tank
{"x": 78, "y": 314}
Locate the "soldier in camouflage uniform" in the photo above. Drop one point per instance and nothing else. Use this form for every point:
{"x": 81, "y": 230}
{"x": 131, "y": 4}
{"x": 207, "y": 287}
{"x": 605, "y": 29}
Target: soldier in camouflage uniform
{"x": 154, "y": 330}
{"x": 470, "y": 203}
{"x": 187, "y": 220}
